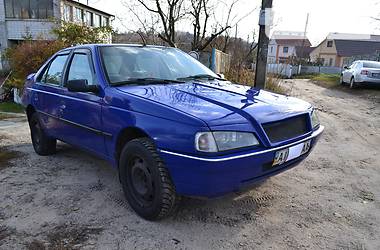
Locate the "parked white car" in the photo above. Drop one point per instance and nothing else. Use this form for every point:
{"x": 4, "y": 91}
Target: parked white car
{"x": 361, "y": 72}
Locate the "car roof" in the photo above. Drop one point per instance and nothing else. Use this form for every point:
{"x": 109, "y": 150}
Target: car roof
{"x": 367, "y": 61}
{"x": 92, "y": 46}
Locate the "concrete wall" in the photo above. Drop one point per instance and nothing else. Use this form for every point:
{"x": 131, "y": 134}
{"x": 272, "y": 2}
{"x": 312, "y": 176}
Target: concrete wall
{"x": 285, "y": 70}
{"x": 322, "y": 69}
{"x": 18, "y": 29}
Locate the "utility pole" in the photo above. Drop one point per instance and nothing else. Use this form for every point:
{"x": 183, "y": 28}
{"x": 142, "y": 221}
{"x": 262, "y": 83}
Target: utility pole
{"x": 304, "y": 36}
{"x": 262, "y": 48}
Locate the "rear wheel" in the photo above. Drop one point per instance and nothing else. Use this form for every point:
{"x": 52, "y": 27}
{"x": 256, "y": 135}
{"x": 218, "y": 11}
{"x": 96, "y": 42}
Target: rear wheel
{"x": 146, "y": 181}
{"x": 352, "y": 83}
{"x": 42, "y": 144}
{"x": 341, "y": 80}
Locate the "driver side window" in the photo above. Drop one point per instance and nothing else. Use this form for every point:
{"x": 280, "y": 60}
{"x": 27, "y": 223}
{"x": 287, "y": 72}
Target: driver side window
{"x": 80, "y": 69}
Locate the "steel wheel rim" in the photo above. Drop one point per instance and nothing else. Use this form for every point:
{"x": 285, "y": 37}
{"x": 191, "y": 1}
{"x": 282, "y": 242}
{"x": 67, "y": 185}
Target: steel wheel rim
{"x": 141, "y": 181}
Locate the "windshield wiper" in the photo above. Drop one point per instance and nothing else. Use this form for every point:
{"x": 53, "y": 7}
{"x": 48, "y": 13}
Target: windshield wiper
{"x": 202, "y": 76}
{"x": 146, "y": 80}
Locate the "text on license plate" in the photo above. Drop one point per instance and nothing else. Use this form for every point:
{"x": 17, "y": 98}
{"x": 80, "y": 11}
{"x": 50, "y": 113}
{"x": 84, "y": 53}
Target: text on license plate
{"x": 291, "y": 153}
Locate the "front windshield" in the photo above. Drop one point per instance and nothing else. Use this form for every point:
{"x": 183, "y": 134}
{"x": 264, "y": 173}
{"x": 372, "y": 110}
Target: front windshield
{"x": 125, "y": 63}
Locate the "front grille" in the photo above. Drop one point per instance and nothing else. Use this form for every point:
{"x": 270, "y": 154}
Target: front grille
{"x": 286, "y": 129}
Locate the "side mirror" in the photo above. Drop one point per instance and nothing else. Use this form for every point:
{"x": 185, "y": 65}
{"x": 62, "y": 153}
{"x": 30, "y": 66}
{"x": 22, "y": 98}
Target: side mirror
{"x": 221, "y": 76}
{"x": 30, "y": 77}
{"x": 81, "y": 85}
{"x": 346, "y": 67}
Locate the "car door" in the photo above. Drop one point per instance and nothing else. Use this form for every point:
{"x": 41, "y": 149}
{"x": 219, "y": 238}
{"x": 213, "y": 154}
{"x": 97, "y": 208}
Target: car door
{"x": 46, "y": 94}
{"x": 82, "y": 112}
{"x": 347, "y": 74}
{"x": 357, "y": 69}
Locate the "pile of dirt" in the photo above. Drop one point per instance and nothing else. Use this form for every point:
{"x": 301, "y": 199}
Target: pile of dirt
{"x": 6, "y": 156}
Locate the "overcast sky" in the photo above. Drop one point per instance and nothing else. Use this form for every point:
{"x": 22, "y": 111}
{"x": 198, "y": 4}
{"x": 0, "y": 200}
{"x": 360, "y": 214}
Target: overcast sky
{"x": 346, "y": 16}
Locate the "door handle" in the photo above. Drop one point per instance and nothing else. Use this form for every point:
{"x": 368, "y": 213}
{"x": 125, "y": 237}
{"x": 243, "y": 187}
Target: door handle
{"x": 61, "y": 108}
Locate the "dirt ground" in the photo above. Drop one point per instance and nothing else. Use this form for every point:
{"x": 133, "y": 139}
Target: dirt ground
{"x": 331, "y": 201}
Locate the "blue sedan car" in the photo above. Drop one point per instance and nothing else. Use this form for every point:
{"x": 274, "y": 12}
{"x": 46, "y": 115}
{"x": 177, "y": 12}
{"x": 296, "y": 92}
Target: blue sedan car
{"x": 169, "y": 125}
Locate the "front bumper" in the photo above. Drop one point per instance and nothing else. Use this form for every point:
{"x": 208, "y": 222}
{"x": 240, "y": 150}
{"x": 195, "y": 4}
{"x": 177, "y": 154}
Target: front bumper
{"x": 213, "y": 177}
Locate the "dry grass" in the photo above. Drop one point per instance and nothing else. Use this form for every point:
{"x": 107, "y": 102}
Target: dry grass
{"x": 4, "y": 116}
{"x": 273, "y": 84}
{"x": 247, "y": 77}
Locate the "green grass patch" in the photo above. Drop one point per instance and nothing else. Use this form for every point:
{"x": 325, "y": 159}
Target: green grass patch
{"x": 11, "y": 107}
{"x": 325, "y": 80}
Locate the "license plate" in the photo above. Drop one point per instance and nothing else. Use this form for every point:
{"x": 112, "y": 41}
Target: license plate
{"x": 376, "y": 75}
{"x": 291, "y": 153}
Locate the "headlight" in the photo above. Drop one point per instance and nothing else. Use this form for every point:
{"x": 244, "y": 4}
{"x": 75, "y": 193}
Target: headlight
{"x": 222, "y": 141}
{"x": 314, "y": 119}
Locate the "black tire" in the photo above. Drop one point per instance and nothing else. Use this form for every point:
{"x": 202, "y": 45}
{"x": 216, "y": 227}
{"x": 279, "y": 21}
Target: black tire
{"x": 146, "y": 181}
{"x": 352, "y": 83}
{"x": 42, "y": 144}
{"x": 341, "y": 80}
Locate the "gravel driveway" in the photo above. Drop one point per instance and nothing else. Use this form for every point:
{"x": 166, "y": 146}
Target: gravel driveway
{"x": 331, "y": 201}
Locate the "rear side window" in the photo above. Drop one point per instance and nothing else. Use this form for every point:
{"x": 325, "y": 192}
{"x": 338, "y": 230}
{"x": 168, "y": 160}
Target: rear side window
{"x": 80, "y": 69}
{"x": 53, "y": 75}
{"x": 373, "y": 65}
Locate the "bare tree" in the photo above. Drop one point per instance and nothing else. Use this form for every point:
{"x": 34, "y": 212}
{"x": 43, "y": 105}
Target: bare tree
{"x": 241, "y": 55}
{"x": 200, "y": 15}
{"x": 147, "y": 24}
{"x": 233, "y": 21}
{"x": 169, "y": 12}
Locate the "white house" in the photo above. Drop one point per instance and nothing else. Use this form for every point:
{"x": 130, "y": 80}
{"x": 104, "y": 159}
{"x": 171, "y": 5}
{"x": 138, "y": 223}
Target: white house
{"x": 285, "y": 46}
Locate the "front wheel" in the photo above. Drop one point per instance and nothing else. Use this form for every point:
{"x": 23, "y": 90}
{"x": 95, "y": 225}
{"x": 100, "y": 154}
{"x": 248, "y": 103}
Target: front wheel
{"x": 146, "y": 181}
{"x": 42, "y": 144}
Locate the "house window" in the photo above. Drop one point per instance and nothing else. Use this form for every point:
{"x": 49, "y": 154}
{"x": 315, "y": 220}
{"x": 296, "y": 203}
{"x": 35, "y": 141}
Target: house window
{"x": 89, "y": 21}
{"x": 283, "y": 60}
{"x": 28, "y": 9}
{"x": 104, "y": 21}
{"x": 329, "y": 44}
{"x": 331, "y": 62}
{"x": 285, "y": 50}
{"x": 78, "y": 15}
{"x": 271, "y": 49}
{"x": 96, "y": 20}
{"x": 67, "y": 9}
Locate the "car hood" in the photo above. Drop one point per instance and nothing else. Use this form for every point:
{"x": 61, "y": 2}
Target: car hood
{"x": 221, "y": 103}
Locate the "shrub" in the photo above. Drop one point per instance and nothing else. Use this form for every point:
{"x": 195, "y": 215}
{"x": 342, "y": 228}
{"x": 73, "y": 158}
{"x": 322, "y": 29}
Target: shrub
{"x": 243, "y": 76}
{"x": 273, "y": 84}
{"x": 27, "y": 57}
{"x": 74, "y": 33}
{"x": 247, "y": 77}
